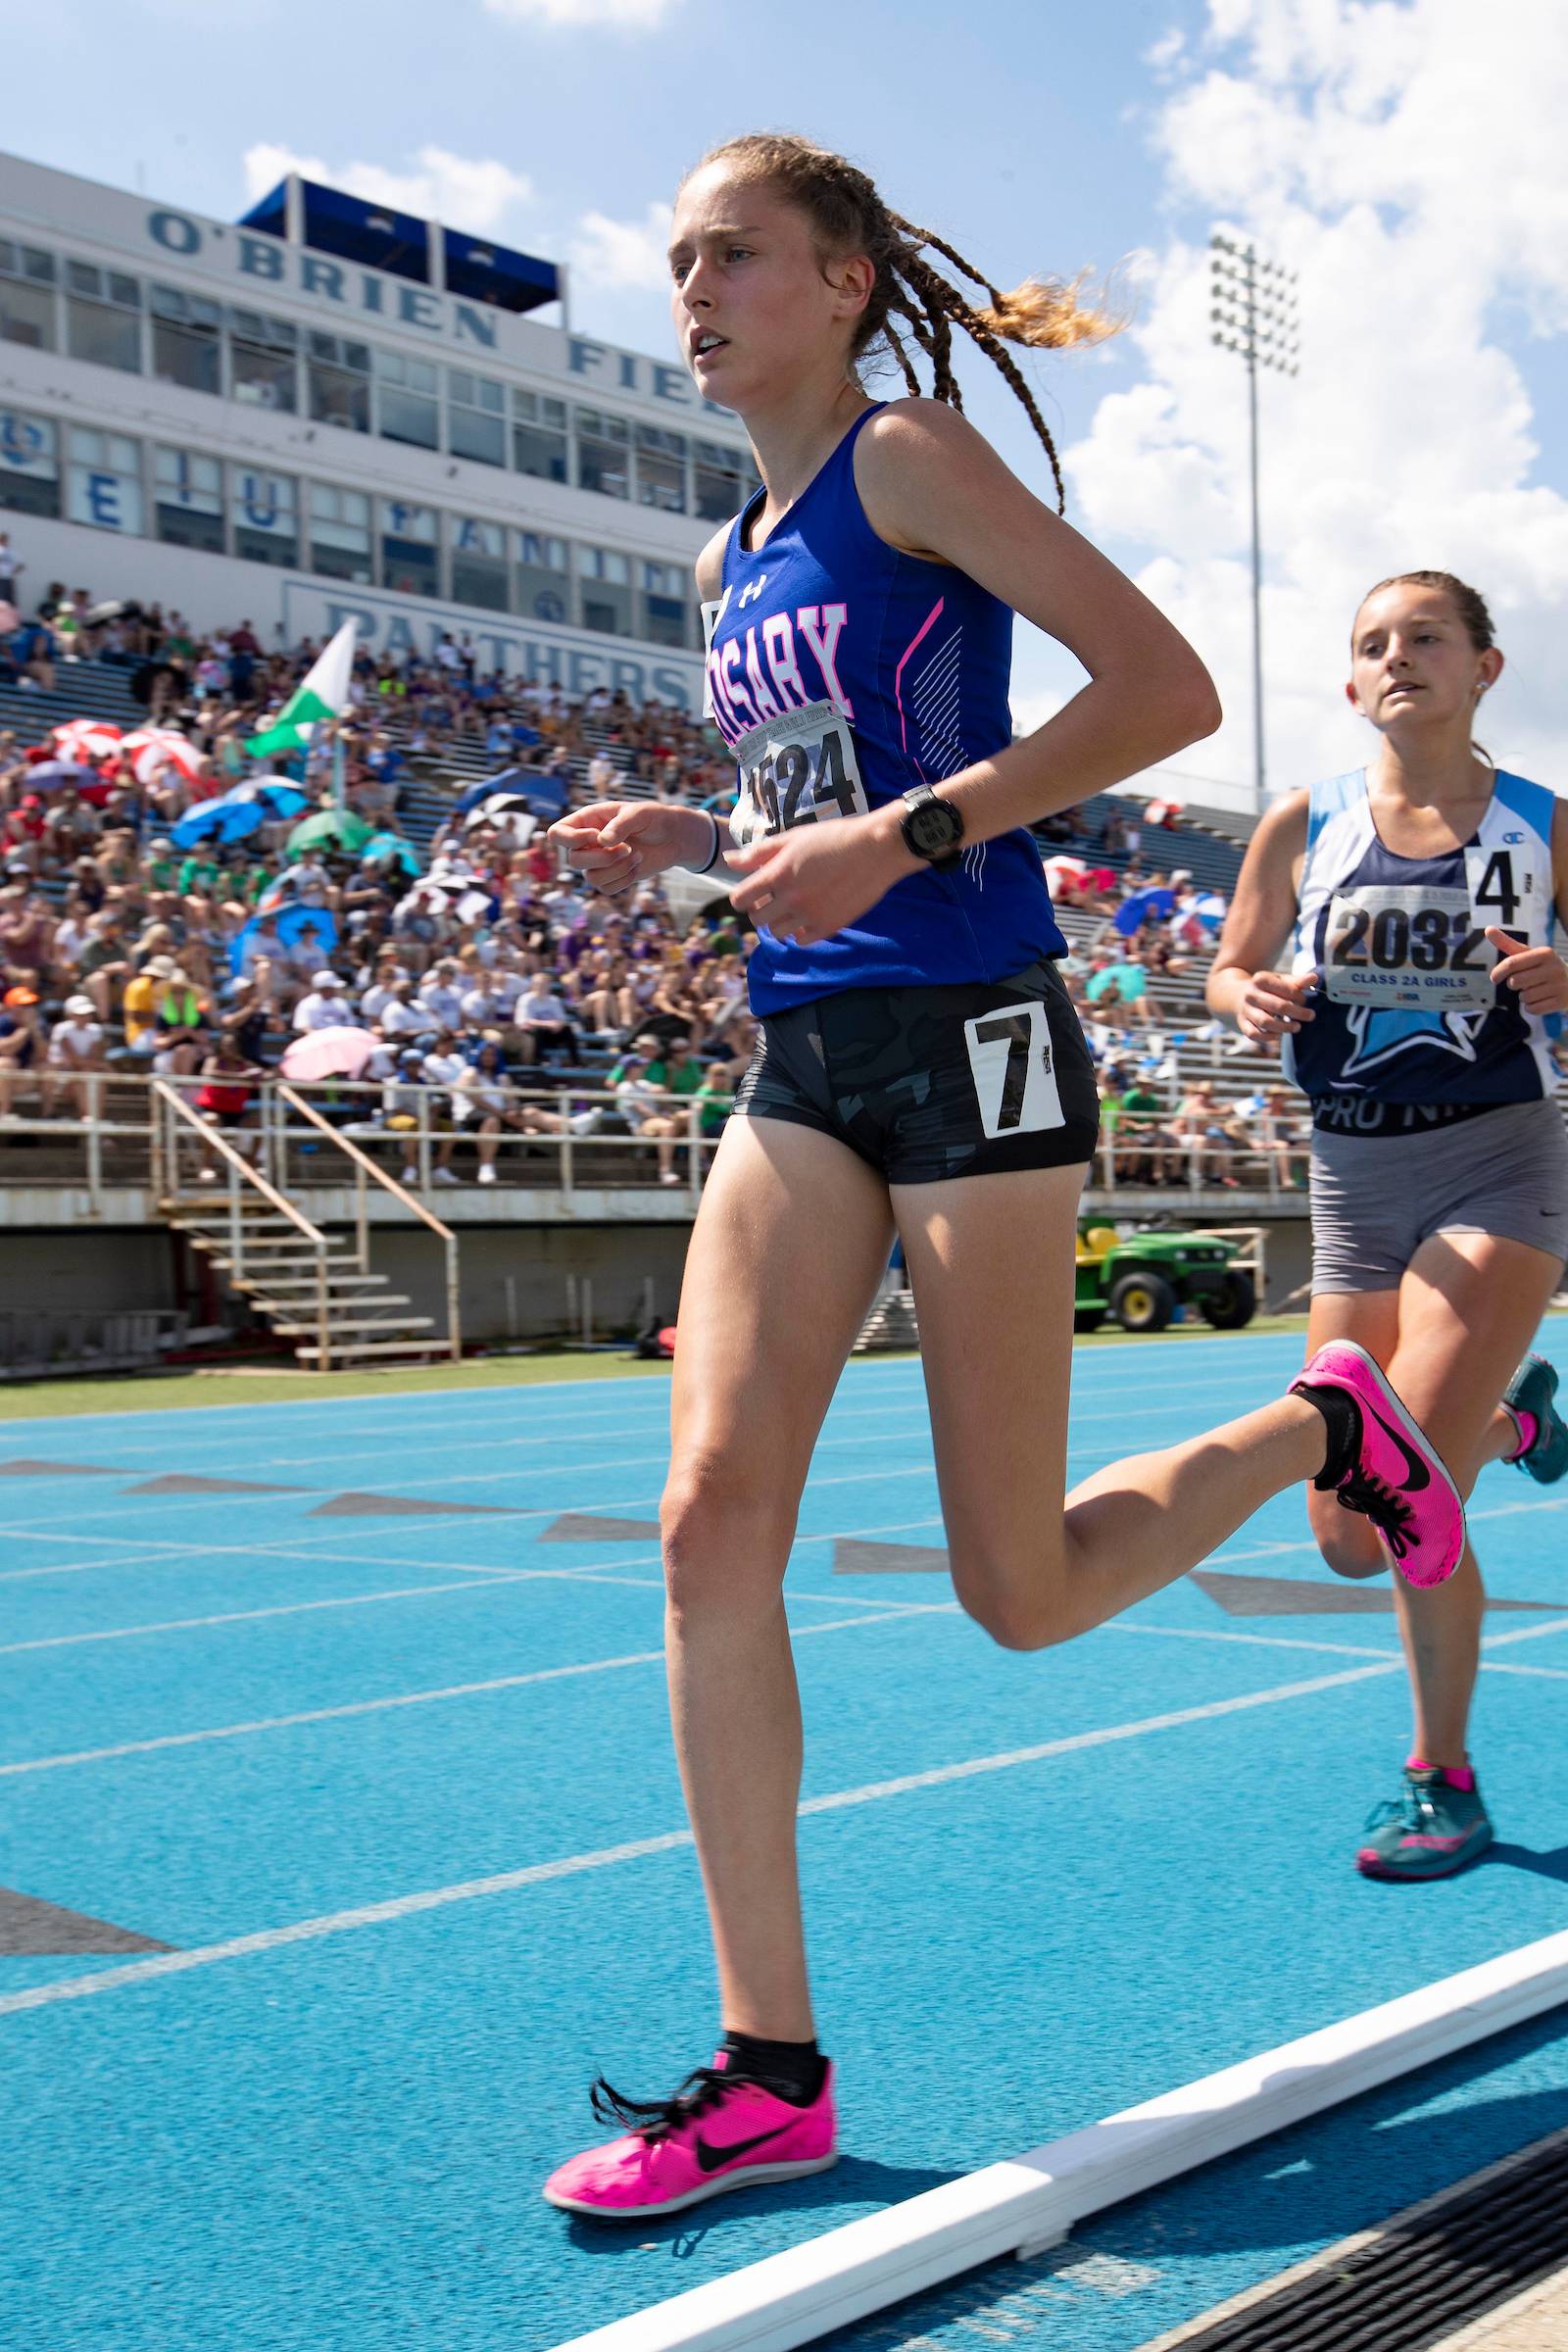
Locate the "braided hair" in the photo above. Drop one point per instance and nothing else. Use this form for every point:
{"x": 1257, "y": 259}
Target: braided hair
{"x": 912, "y": 301}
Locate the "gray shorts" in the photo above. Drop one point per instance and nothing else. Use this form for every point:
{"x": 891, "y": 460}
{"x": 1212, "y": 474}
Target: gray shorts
{"x": 1376, "y": 1199}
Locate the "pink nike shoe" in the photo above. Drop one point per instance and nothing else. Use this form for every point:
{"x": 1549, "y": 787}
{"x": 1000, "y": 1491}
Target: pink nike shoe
{"x": 1380, "y": 1463}
{"x": 718, "y": 2131}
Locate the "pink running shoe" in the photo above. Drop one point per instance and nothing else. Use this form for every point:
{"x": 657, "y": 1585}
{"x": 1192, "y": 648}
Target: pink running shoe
{"x": 718, "y": 2131}
{"x": 1381, "y": 1464}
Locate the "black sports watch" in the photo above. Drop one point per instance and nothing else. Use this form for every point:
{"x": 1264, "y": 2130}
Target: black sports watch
{"x": 932, "y": 829}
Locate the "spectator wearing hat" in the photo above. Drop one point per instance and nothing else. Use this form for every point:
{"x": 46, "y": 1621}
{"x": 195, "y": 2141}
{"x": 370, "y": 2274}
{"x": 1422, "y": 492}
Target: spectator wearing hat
{"x": 74, "y": 1054}
{"x": 325, "y": 1005}
{"x": 143, "y": 999}
{"x": 22, "y": 1048}
{"x": 181, "y": 1026}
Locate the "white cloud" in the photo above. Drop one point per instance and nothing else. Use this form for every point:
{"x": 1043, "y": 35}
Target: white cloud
{"x": 624, "y": 256}
{"x": 463, "y": 192}
{"x": 1409, "y": 169}
{"x": 630, "y": 16}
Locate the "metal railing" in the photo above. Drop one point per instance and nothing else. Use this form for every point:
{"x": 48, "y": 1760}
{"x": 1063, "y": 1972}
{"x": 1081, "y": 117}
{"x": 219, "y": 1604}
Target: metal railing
{"x": 365, "y": 1169}
{"x": 303, "y": 1137}
{"x": 168, "y": 1109}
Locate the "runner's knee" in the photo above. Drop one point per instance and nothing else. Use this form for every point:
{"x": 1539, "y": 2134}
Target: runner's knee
{"x": 1014, "y": 1597}
{"x": 725, "y": 1537}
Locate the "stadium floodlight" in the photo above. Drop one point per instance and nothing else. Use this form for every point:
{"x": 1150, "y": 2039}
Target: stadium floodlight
{"x": 1253, "y": 312}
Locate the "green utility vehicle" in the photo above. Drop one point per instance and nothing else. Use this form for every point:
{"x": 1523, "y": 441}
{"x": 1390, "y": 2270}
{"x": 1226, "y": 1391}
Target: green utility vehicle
{"x": 1140, "y": 1279}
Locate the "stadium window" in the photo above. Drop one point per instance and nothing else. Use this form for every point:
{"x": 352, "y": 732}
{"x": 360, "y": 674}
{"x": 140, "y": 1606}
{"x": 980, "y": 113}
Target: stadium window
{"x": 30, "y": 464}
{"x": 341, "y": 548}
{"x": 479, "y": 564}
{"x": 662, "y": 468}
{"x": 410, "y": 548}
{"x": 539, "y": 435}
{"x": 605, "y": 577}
{"x": 664, "y": 603}
{"x": 27, "y": 297}
{"x": 477, "y": 418}
{"x": 338, "y": 373}
{"x": 407, "y": 403}
{"x": 264, "y": 362}
{"x": 266, "y": 517}
{"x": 103, "y": 317}
{"x": 103, "y": 481}
{"x": 188, "y": 499}
{"x": 603, "y": 454}
{"x": 185, "y": 346}
{"x": 543, "y": 576}
{"x": 720, "y": 481}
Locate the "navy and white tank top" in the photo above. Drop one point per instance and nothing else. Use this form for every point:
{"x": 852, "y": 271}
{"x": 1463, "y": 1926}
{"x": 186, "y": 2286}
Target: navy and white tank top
{"x": 1406, "y": 1012}
{"x": 843, "y": 673}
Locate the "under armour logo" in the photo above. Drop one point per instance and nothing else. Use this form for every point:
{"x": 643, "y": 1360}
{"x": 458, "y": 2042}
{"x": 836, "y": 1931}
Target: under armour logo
{"x": 748, "y": 596}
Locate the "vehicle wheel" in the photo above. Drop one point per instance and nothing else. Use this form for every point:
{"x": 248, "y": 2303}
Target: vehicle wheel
{"x": 1143, "y": 1301}
{"x": 1087, "y": 1318}
{"x": 1232, "y": 1305}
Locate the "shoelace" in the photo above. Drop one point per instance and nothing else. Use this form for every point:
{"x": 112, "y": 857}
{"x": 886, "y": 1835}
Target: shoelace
{"x": 1361, "y": 1491}
{"x": 1413, "y": 1808}
{"x": 656, "y": 2119}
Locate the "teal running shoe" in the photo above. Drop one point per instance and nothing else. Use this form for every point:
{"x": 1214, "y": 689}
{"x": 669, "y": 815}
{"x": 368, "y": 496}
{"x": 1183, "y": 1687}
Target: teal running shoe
{"x": 1429, "y": 1832}
{"x": 1533, "y": 1389}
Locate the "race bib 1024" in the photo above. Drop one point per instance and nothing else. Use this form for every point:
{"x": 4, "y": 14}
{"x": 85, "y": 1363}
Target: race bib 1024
{"x": 1409, "y": 948}
{"x": 797, "y": 769}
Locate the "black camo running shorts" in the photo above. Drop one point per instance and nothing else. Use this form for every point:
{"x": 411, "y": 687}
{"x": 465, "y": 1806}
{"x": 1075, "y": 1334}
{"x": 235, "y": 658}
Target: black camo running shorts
{"x": 929, "y": 1083}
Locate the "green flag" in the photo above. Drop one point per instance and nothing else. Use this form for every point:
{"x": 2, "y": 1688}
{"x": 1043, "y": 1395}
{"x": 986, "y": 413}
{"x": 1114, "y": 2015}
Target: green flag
{"x": 321, "y": 694}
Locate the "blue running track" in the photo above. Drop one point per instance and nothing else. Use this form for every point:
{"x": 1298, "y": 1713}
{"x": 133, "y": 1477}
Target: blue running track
{"x": 342, "y": 1845}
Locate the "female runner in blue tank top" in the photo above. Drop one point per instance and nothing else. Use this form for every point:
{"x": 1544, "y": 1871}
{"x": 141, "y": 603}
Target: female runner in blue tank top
{"x": 919, "y": 1069}
{"x": 1418, "y": 1013}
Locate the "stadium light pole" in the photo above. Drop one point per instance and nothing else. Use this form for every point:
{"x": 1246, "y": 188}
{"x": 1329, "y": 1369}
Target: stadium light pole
{"x": 1253, "y": 312}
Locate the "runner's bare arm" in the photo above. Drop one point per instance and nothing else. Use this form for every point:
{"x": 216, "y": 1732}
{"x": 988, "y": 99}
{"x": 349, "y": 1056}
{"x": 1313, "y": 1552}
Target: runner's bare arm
{"x": 1538, "y": 976}
{"x": 1242, "y": 985}
{"x": 933, "y": 487}
{"x": 615, "y": 845}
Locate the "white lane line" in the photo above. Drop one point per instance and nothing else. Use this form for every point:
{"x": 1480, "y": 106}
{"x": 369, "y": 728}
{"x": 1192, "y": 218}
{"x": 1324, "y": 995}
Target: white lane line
{"x": 301, "y": 1608}
{"x": 860, "y": 1371}
{"x": 1551, "y": 1674}
{"x": 404, "y": 1906}
{"x": 402, "y": 1698}
{"x": 1526, "y": 1633}
{"x": 1184, "y": 1633}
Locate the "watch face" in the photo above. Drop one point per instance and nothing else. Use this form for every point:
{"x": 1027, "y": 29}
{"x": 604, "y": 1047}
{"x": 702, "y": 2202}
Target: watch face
{"x": 932, "y": 828}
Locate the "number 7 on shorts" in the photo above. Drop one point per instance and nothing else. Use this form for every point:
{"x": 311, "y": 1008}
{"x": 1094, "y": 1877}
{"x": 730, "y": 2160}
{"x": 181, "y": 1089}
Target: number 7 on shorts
{"x": 1014, "y": 1067}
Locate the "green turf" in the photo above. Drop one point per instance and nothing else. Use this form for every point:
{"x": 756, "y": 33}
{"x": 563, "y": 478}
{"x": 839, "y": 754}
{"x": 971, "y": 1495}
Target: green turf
{"x": 159, "y": 1391}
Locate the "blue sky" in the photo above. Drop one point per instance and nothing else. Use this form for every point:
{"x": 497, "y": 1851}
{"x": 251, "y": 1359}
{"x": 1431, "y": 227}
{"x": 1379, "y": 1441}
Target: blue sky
{"x": 1408, "y": 166}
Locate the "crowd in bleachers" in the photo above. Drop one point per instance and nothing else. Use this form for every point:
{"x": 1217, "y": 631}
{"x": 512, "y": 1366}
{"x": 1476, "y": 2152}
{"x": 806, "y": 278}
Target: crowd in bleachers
{"x": 482, "y": 974}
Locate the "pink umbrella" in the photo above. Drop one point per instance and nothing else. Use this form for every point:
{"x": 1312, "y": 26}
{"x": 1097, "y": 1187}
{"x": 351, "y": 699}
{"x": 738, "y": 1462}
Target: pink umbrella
{"x": 86, "y": 739}
{"x": 340, "y": 1052}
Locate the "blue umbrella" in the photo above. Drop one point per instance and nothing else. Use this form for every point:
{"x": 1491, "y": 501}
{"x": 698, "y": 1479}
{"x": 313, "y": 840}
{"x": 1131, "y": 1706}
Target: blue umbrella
{"x": 218, "y": 821}
{"x": 54, "y": 775}
{"x": 274, "y": 796}
{"x": 545, "y": 795}
{"x": 1142, "y": 907}
{"x": 385, "y": 845}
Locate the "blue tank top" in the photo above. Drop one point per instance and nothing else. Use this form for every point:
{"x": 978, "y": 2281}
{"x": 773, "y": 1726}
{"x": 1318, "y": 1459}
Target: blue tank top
{"x": 1406, "y": 1012}
{"x": 843, "y": 673}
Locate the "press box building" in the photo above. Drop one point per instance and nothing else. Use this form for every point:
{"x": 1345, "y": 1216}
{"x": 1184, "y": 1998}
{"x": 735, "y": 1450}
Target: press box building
{"x": 332, "y": 408}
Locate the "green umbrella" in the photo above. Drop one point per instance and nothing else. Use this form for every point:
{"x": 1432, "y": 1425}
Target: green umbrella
{"x": 331, "y": 829}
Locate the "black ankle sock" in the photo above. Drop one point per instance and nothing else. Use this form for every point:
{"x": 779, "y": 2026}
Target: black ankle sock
{"x": 790, "y": 2070}
{"x": 1343, "y": 1416}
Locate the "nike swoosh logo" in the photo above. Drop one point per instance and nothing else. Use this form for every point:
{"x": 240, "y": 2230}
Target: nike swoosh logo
{"x": 1417, "y": 1475}
{"x": 709, "y": 2159}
